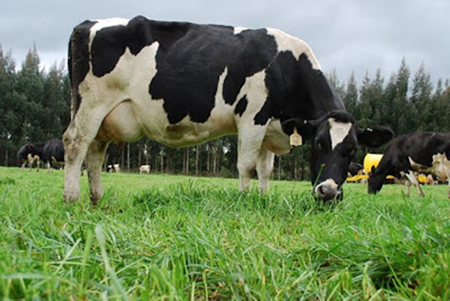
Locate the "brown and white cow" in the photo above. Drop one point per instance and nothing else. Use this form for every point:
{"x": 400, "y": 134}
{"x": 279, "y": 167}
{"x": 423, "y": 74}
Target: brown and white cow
{"x": 427, "y": 152}
{"x": 182, "y": 84}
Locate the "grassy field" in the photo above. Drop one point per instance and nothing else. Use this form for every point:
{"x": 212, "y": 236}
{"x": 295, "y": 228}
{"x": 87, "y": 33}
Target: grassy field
{"x": 174, "y": 237}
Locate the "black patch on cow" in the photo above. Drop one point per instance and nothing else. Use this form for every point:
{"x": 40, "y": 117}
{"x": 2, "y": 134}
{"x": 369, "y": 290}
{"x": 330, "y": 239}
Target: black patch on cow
{"x": 241, "y": 106}
{"x": 189, "y": 66}
{"x": 297, "y": 90}
{"x": 110, "y": 43}
{"x": 341, "y": 116}
{"x": 78, "y": 58}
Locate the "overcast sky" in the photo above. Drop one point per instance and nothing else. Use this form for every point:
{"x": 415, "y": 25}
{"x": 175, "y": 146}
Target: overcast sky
{"x": 347, "y": 35}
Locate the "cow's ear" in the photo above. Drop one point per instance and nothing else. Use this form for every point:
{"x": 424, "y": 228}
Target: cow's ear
{"x": 304, "y": 128}
{"x": 374, "y": 137}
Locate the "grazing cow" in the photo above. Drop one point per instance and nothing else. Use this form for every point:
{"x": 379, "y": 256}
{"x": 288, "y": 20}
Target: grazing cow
{"x": 426, "y": 152}
{"x": 113, "y": 168}
{"x": 182, "y": 84}
{"x": 30, "y": 153}
{"x": 144, "y": 168}
{"x": 53, "y": 154}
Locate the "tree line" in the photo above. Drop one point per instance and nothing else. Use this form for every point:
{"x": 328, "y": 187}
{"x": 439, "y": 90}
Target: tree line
{"x": 35, "y": 107}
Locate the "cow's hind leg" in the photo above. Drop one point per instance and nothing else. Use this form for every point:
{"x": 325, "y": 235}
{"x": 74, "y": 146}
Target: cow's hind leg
{"x": 94, "y": 161}
{"x": 77, "y": 138}
{"x": 264, "y": 168}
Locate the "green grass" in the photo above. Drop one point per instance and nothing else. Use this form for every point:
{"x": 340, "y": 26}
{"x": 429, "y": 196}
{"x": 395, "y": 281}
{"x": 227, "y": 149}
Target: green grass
{"x": 174, "y": 237}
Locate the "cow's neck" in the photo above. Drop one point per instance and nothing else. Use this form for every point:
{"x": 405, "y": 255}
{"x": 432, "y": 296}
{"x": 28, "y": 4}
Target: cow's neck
{"x": 323, "y": 98}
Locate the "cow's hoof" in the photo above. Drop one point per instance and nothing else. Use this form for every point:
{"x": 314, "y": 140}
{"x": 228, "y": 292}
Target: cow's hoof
{"x": 94, "y": 202}
{"x": 71, "y": 197}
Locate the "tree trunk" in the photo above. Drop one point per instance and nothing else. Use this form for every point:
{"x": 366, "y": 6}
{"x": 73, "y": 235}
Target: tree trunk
{"x": 197, "y": 155}
{"x": 187, "y": 160}
{"x": 139, "y": 157}
{"x": 279, "y": 168}
{"x": 128, "y": 156}
{"x": 208, "y": 160}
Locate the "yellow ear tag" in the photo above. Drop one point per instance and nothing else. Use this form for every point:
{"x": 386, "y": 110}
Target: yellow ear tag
{"x": 296, "y": 139}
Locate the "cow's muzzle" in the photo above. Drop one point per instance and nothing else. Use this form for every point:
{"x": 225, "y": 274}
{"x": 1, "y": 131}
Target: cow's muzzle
{"x": 328, "y": 190}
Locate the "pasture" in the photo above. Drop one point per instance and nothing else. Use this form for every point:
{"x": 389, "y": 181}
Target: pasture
{"x": 175, "y": 237}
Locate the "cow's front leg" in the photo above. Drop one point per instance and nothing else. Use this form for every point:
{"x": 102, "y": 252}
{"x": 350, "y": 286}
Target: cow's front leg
{"x": 264, "y": 168}
{"x": 413, "y": 179}
{"x": 246, "y": 167}
{"x": 408, "y": 187}
{"x": 94, "y": 161}
{"x": 249, "y": 147}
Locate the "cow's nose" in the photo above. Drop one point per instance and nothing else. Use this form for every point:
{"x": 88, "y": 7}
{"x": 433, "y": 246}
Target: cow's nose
{"x": 327, "y": 190}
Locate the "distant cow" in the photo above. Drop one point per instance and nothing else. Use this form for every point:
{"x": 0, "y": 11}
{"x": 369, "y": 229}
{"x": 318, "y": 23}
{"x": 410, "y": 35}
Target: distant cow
{"x": 182, "y": 84}
{"x": 53, "y": 154}
{"x": 427, "y": 152}
{"x": 29, "y": 153}
{"x": 113, "y": 168}
{"x": 144, "y": 168}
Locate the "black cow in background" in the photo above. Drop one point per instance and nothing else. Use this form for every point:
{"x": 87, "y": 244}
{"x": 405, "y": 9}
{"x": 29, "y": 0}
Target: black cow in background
{"x": 30, "y": 153}
{"x": 50, "y": 152}
{"x": 53, "y": 154}
{"x": 406, "y": 155}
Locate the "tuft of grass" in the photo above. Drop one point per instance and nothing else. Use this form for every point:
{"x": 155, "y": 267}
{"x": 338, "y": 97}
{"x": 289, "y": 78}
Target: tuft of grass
{"x": 174, "y": 237}
{"x": 7, "y": 181}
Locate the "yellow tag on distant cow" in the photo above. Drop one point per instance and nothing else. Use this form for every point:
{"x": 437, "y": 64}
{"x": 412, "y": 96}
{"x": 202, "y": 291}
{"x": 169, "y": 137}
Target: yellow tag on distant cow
{"x": 296, "y": 139}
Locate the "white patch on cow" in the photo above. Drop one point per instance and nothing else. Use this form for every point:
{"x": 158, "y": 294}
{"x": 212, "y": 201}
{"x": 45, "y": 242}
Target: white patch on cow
{"x": 338, "y": 131}
{"x": 286, "y": 42}
{"x": 275, "y": 139}
{"x": 219, "y": 100}
{"x": 256, "y": 92}
{"x": 238, "y": 30}
{"x": 103, "y": 23}
{"x": 328, "y": 186}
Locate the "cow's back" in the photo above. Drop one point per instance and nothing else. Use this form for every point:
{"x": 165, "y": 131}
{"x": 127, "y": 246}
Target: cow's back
{"x": 181, "y": 83}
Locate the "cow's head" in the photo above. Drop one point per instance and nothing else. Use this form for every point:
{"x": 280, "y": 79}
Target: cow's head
{"x": 335, "y": 138}
{"x": 29, "y": 147}
{"x": 376, "y": 180}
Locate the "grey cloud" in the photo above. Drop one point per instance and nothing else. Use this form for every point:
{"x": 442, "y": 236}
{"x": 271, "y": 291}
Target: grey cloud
{"x": 346, "y": 35}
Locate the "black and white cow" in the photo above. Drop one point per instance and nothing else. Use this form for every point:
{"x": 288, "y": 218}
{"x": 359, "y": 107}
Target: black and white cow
{"x": 53, "y": 153}
{"x": 182, "y": 84}
{"x": 427, "y": 152}
{"x": 30, "y": 153}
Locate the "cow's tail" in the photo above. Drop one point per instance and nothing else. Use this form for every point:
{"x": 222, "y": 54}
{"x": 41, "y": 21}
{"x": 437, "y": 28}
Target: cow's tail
{"x": 78, "y": 61}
